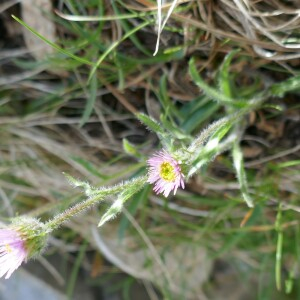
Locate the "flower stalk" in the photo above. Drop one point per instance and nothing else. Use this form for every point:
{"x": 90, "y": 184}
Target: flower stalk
{"x": 26, "y": 238}
{"x": 99, "y": 196}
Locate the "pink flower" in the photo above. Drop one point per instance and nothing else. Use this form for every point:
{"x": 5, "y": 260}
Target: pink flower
{"x": 23, "y": 239}
{"x": 12, "y": 252}
{"x": 165, "y": 173}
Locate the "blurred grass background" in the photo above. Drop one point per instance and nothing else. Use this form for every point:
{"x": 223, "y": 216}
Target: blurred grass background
{"x": 69, "y": 109}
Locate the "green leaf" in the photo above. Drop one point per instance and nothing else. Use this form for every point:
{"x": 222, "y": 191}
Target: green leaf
{"x": 117, "y": 206}
{"x": 112, "y": 212}
{"x": 279, "y": 89}
{"x": 164, "y": 98}
{"x": 221, "y": 131}
{"x": 151, "y": 124}
{"x": 113, "y": 46}
{"x": 68, "y": 53}
{"x": 165, "y": 137}
{"x": 241, "y": 174}
{"x": 77, "y": 183}
{"x": 209, "y": 91}
{"x": 193, "y": 121}
{"x": 90, "y": 101}
{"x": 203, "y": 154}
{"x": 224, "y": 75}
{"x": 173, "y": 129}
{"x": 131, "y": 149}
{"x": 279, "y": 247}
{"x": 216, "y": 129}
{"x": 126, "y": 27}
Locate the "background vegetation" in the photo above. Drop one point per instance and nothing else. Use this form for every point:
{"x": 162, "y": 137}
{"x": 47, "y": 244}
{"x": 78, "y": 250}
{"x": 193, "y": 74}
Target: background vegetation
{"x": 68, "y": 96}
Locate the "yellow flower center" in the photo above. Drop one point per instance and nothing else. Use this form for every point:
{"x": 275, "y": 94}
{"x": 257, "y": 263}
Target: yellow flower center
{"x": 8, "y": 248}
{"x": 167, "y": 172}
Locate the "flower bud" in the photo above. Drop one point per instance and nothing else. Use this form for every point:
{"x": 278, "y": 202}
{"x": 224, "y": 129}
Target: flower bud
{"x": 23, "y": 239}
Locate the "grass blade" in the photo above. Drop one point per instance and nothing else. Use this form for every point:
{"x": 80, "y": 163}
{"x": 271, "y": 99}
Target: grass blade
{"x": 82, "y": 60}
{"x": 113, "y": 46}
{"x": 90, "y": 101}
{"x": 211, "y": 92}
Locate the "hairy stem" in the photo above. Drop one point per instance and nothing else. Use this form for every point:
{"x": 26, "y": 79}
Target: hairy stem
{"x": 84, "y": 205}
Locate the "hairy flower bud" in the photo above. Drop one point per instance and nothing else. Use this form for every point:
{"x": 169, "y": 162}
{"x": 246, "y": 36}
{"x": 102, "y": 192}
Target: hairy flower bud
{"x": 22, "y": 240}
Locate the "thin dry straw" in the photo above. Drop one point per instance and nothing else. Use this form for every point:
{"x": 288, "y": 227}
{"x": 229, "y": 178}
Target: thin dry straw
{"x": 162, "y": 24}
{"x": 254, "y": 21}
